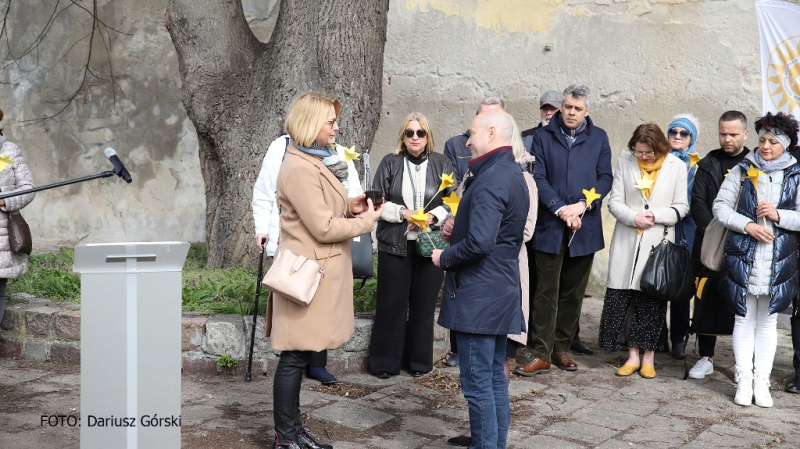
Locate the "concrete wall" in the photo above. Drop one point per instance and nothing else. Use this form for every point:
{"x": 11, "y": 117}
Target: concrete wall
{"x": 644, "y": 59}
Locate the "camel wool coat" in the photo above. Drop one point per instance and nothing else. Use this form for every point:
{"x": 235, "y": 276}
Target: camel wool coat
{"x": 313, "y": 203}
{"x": 629, "y": 249}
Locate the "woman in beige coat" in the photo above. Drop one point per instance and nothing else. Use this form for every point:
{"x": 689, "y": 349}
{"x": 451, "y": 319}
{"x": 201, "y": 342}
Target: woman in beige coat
{"x": 317, "y": 221}
{"x": 648, "y": 195}
{"x": 14, "y": 177}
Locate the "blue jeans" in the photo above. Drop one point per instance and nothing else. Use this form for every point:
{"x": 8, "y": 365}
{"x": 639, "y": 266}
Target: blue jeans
{"x": 484, "y": 385}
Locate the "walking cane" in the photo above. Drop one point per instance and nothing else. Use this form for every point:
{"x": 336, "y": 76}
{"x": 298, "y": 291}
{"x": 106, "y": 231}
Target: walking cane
{"x": 255, "y": 310}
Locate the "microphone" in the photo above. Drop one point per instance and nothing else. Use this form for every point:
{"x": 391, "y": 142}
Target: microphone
{"x": 119, "y": 169}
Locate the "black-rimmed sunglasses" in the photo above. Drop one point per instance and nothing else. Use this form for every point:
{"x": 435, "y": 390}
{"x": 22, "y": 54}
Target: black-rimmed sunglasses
{"x": 421, "y": 133}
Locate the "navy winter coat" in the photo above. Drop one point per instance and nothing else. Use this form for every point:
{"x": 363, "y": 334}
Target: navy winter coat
{"x": 742, "y": 252}
{"x": 562, "y": 173}
{"x": 482, "y": 292}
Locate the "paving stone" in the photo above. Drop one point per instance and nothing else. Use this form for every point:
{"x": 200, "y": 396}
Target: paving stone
{"x": 440, "y": 333}
{"x": 68, "y": 325}
{"x": 399, "y": 440}
{"x": 18, "y": 376}
{"x": 361, "y": 336}
{"x": 12, "y": 316}
{"x": 544, "y": 441}
{"x": 351, "y": 415}
{"x": 723, "y": 435}
{"x": 192, "y": 332}
{"x": 579, "y": 431}
{"x": 10, "y": 348}
{"x": 67, "y": 353}
{"x": 612, "y": 419}
{"x": 225, "y": 335}
{"x": 660, "y": 431}
{"x": 427, "y": 425}
{"x": 396, "y": 405}
{"x": 39, "y": 320}
{"x": 262, "y": 344}
{"x": 632, "y": 406}
{"x": 36, "y": 350}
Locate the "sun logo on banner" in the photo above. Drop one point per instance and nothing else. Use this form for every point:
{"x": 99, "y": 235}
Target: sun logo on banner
{"x": 783, "y": 76}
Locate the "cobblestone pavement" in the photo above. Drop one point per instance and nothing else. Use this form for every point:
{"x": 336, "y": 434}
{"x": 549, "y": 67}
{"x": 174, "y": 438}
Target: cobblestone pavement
{"x": 588, "y": 408}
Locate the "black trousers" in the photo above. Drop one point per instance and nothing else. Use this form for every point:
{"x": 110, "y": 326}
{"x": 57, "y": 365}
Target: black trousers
{"x": 286, "y": 394}
{"x": 706, "y": 345}
{"x": 408, "y": 289}
{"x": 796, "y": 345}
{"x": 678, "y": 321}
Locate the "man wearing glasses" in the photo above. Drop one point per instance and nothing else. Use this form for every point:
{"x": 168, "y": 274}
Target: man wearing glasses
{"x": 572, "y": 155}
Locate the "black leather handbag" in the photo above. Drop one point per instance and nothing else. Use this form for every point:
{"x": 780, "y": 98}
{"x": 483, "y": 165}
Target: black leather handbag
{"x": 668, "y": 273}
{"x": 361, "y": 246}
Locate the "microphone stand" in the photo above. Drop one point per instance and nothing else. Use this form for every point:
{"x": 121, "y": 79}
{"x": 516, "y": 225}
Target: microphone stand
{"x": 104, "y": 174}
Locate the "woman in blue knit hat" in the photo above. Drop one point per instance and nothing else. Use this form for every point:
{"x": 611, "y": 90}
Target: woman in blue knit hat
{"x": 682, "y": 133}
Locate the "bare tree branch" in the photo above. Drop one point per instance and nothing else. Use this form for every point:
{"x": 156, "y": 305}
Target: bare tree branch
{"x": 97, "y": 29}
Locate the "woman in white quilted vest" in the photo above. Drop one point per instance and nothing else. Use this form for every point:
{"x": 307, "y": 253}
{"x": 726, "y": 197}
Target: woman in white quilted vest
{"x": 13, "y": 177}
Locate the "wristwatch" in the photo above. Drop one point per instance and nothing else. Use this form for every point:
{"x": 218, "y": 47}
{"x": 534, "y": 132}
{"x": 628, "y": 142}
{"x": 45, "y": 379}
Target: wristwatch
{"x": 402, "y": 212}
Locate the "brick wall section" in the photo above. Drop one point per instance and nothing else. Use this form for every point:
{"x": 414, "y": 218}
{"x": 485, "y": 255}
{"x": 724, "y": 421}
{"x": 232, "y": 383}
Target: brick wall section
{"x": 42, "y": 330}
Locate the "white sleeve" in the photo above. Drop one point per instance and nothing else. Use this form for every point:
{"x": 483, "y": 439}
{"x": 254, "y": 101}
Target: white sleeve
{"x": 354, "y": 182}
{"x": 725, "y": 202}
{"x": 264, "y": 189}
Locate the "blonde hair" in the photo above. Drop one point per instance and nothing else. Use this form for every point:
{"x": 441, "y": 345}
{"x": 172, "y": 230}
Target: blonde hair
{"x": 423, "y": 123}
{"x": 516, "y": 139}
{"x": 307, "y": 115}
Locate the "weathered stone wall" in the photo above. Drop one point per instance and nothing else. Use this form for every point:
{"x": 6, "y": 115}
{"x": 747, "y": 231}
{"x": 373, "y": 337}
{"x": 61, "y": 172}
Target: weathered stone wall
{"x": 43, "y": 330}
{"x": 644, "y": 59}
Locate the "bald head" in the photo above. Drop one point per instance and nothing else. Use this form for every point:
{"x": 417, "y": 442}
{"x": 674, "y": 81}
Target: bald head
{"x": 490, "y": 129}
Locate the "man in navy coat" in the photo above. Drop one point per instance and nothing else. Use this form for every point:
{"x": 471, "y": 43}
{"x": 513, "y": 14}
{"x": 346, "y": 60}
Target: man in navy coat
{"x": 482, "y": 295}
{"x": 572, "y": 155}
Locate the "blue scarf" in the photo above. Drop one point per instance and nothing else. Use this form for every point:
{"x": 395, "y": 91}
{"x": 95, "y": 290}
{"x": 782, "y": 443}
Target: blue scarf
{"x": 331, "y": 159}
{"x": 773, "y": 165}
{"x": 682, "y": 155}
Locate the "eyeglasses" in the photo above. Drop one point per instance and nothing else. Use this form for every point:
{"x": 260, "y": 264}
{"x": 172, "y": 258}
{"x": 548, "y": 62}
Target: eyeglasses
{"x": 421, "y": 133}
{"x": 683, "y": 134}
{"x": 644, "y": 155}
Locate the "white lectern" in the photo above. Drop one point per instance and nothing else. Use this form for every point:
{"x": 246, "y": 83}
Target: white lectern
{"x": 131, "y": 344}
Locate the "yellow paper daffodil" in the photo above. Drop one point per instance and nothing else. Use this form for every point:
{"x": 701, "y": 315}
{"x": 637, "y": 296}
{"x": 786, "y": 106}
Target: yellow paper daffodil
{"x": 420, "y": 218}
{"x": 447, "y": 181}
{"x": 590, "y": 196}
{"x": 452, "y": 202}
{"x": 5, "y": 161}
{"x": 350, "y": 154}
{"x": 645, "y": 182}
{"x": 753, "y": 175}
{"x": 694, "y": 158}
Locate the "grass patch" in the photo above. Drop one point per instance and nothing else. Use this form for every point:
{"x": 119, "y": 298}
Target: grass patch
{"x": 205, "y": 291}
{"x": 50, "y": 276}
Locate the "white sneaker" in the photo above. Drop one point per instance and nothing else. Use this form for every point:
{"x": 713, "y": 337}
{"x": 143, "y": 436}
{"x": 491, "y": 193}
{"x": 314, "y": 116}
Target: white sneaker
{"x": 761, "y": 390}
{"x": 702, "y": 368}
{"x": 744, "y": 391}
{"x": 735, "y": 375}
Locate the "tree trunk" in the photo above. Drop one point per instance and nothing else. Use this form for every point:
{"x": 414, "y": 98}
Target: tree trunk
{"x": 237, "y": 92}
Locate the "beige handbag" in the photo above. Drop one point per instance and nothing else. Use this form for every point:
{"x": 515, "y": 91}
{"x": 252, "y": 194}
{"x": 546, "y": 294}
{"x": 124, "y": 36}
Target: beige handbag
{"x": 712, "y": 253}
{"x": 294, "y": 277}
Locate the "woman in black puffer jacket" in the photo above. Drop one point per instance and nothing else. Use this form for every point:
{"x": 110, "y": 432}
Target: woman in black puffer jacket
{"x": 761, "y": 266}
